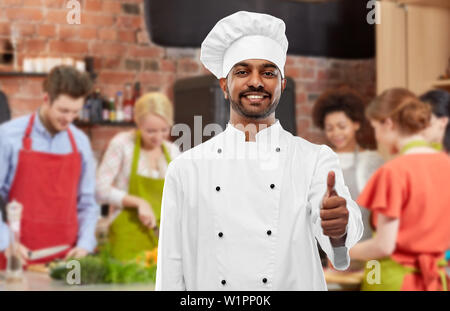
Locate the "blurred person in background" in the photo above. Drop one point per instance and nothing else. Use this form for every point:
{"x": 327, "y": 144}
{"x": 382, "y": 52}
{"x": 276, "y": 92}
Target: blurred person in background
{"x": 47, "y": 165}
{"x": 408, "y": 197}
{"x": 438, "y": 133}
{"x": 340, "y": 114}
{"x": 131, "y": 177}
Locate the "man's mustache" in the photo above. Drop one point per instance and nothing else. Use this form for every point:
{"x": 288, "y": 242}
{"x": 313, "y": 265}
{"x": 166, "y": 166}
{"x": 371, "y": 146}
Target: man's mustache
{"x": 255, "y": 90}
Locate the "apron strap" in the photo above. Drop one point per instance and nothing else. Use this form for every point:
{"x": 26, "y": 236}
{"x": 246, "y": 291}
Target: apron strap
{"x": 166, "y": 153}
{"x": 26, "y": 140}
{"x": 136, "y": 152}
{"x": 72, "y": 141}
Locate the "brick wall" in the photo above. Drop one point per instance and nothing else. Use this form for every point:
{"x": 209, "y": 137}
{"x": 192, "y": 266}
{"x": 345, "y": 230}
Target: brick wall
{"x": 114, "y": 33}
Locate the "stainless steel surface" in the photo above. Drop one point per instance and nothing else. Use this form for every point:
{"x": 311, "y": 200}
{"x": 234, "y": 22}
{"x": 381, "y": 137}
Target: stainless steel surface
{"x": 45, "y": 252}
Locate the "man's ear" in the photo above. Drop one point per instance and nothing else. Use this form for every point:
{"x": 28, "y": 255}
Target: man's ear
{"x": 283, "y": 84}
{"x": 46, "y": 98}
{"x": 223, "y": 86}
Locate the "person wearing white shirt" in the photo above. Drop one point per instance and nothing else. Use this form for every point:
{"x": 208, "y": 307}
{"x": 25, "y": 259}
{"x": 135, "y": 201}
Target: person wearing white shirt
{"x": 243, "y": 210}
{"x": 340, "y": 114}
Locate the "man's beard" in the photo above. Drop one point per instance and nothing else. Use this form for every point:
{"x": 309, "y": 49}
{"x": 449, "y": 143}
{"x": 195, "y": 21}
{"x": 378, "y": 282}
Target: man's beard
{"x": 239, "y": 108}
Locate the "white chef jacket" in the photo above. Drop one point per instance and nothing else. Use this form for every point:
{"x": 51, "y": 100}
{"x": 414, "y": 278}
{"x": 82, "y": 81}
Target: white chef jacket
{"x": 240, "y": 215}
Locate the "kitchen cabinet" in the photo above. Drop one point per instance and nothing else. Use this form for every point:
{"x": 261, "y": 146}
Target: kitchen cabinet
{"x": 412, "y": 44}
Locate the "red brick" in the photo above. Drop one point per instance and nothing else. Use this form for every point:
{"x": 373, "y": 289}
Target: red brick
{"x": 127, "y": 36}
{"x": 113, "y": 7}
{"x": 167, "y": 66}
{"x": 32, "y": 88}
{"x": 133, "y": 22}
{"x": 22, "y": 106}
{"x": 107, "y": 34}
{"x": 93, "y": 5}
{"x": 108, "y": 49}
{"x": 10, "y": 86}
{"x": 25, "y": 29}
{"x": 60, "y": 4}
{"x": 57, "y": 16}
{"x": 5, "y": 28}
{"x": 35, "y": 45}
{"x": 303, "y": 125}
{"x": 6, "y": 3}
{"x": 143, "y": 51}
{"x": 110, "y": 63}
{"x": 307, "y": 73}
{"x": 292, "y": 72}
{"x": 26, "y": 14}
{"x": 68, "y": 32}
{"x": 304, "y": 109}
{"x": 31, "y": 3}
{"x": 70, "y": 47}
{"x": 153, "y": 78}
{"x": 46, "y": 30}
{"x": 97, "y": 19}
{"x": 88, "y": 33}
{"x": 115, "y": 77}
{"x": 187, "y": 65}
{"x": 142, "y": 37}
{"x": 300, "y": 98}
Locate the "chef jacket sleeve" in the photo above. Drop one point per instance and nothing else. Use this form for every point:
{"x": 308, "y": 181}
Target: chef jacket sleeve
{"x": 169, "y": 273}
{"x": 4, "y": 234}
{"x": 88, "y": 209}
{"x": 328, "y": 161}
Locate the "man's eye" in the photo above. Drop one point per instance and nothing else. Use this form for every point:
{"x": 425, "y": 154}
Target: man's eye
{"x": 241, "y": 72}
{"x": 269, "y": 74}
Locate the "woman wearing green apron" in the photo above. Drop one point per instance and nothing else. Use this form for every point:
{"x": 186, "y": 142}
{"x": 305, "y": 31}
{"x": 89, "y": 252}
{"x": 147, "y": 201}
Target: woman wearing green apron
{"x": 131, "y": 177}
{"x": 408, "y": 198}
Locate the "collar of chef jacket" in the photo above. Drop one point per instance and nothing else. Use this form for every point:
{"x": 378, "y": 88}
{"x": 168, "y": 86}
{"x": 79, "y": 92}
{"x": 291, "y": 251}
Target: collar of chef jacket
{"x": 265, "y": 149}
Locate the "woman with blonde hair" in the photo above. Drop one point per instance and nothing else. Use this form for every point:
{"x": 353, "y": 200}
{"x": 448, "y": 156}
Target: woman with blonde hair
{"x": 131, "y": 177}
{"x": 408, "y": 197}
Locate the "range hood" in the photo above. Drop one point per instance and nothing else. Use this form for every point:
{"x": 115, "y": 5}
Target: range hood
{"x": 333, "y": 28}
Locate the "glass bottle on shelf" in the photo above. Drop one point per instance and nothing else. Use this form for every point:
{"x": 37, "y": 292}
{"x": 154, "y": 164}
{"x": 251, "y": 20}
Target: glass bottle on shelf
{"x": 96, "y": 107}
{"x": 112, "y": 110}
{"x": 128, "y": 103}
{"x": 119, "y": 106}
{"x": 87, "y": 109}
{"x": 14, "y": 268}
{"x": 136, "y": 92}
{"x": 105, "y": 110}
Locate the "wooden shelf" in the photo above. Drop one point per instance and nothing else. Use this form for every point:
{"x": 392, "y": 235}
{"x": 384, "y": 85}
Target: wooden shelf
{"x": 31, "y": 74}
{"x": 442, "y": 84}
{"x": 438, "y": 3}
{"x": 104, "y": 123}
{"x": 22, "y": 74}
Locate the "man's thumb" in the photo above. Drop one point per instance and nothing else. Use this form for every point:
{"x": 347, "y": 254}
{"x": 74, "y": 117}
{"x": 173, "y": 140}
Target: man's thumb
{"x": 331, "y": 180}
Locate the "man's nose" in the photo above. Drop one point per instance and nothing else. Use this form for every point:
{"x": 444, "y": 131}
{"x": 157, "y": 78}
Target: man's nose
{"x": 255, "y": 80}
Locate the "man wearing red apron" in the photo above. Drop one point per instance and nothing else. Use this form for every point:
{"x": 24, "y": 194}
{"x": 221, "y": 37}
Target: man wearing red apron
{"x": 47, "y": 165}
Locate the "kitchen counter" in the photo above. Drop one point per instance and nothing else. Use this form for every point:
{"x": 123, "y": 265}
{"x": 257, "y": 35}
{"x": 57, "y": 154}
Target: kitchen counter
{"x": 38, "y": 281}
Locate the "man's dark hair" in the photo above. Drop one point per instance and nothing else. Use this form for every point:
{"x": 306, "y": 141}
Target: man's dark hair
{"x": 66, "y": 80}
{"x": 440, "y": 107}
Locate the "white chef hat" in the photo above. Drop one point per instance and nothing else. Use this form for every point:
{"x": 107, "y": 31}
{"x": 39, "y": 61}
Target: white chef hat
{"x": 244, "y": 35}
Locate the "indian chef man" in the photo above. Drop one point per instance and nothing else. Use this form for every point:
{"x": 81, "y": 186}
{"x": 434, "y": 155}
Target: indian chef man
{"x": 243, "y": 210}
{"x": 47, "y": 165}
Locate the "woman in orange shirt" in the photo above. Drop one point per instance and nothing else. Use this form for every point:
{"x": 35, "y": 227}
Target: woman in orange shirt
{"x": 409, "y": 200}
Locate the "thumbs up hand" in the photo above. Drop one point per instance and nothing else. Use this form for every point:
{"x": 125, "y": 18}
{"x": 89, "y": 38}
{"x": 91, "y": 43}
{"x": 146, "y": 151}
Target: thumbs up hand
{"x": 334, "y": 213}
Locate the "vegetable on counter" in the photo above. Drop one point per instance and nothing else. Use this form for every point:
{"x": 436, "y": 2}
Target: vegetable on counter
{"x": 102, "y": 268}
